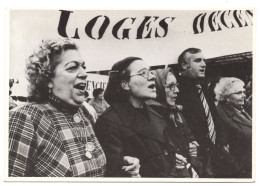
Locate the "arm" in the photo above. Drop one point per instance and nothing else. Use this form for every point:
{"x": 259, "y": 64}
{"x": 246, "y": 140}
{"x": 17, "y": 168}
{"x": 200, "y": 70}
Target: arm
{"x": 22, "y": 144}
{"x": 108, "y": 135}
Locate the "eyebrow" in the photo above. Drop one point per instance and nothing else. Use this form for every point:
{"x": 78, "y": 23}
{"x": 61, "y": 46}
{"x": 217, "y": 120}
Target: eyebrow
{"x": 143, "y": 69}
{"x": 199, "y": 59}
{"x": 77, "y": 62}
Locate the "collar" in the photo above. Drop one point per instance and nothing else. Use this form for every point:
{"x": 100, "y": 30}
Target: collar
{"x": 235, "y": 114}
{"x": 151, "y": 127}
{"x": 62, "y": 105}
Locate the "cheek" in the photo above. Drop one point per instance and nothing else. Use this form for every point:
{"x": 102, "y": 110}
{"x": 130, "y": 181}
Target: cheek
{"x": 63, "y": 81}
{"x": 138, "y": 87}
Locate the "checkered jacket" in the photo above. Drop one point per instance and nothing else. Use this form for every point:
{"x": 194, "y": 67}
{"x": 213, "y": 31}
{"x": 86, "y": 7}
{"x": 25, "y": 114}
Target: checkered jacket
{"x": 44, "y": 140}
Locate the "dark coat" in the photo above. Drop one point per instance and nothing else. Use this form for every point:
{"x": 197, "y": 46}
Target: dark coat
{"x": 123, "y": 131}
{"x": 236, "y": 130}
{"x": 195, "y": 116}
{"x": 179, "y": 132}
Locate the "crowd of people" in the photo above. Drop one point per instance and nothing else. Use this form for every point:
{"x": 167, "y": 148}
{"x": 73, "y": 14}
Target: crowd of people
{"x": 144, "y": 124}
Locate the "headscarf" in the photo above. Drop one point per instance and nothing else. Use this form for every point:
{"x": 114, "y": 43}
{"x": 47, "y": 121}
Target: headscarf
{"x": 160, "y": 82}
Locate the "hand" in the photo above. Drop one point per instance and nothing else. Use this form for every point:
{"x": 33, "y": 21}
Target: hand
{"x": 132, "y": 166}
{"x": 180, "y": 161}
{"x": 193, "y": 148}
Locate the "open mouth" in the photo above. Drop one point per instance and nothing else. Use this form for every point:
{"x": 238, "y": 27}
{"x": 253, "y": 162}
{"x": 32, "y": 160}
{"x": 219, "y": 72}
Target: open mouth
{"x": 202, "y": 70}
{"x": 152, "y": 86}
{"x": 80, "y": 86}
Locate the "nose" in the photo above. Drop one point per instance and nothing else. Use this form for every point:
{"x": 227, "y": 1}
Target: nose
{"x": 152, "y": 75}
{"x": 82, "y": 73}
{"x": 243, "y": 94}
{"x": 176, "y": 90}
{"x": 203, "y": 64}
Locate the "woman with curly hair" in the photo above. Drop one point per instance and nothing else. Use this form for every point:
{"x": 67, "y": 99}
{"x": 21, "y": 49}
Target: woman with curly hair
{"x": 236, "y": 130}
{"x": 53, "y": 136}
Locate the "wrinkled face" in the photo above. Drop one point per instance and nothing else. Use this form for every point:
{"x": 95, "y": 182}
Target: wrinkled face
{"x": 69, "y": 81}
{"x": 171, "y": 89}
{"x": 237, "y": 98}
{"x": 140, "y": 87}
{"x": 195, "y": 67}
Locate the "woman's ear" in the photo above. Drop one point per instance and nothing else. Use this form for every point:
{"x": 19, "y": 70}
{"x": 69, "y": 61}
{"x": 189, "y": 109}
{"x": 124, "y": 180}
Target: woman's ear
{"x": 124, "y": 84}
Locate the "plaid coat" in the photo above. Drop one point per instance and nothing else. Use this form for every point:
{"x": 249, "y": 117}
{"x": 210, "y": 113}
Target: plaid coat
{"x": 44, "y": 140}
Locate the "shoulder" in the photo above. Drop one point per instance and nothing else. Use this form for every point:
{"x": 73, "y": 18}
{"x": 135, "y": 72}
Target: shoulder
{"x": 109, "y": 116}
{"x": 156, "y": 108}
{"x": 30, "y": 113}
{"x": 221, "y": 110}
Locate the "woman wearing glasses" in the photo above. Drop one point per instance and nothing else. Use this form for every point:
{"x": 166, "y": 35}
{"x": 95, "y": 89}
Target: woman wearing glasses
{"x": 129, "y": 128}
{"x": 236, "y": 133}
{"x": 187, "y": 162}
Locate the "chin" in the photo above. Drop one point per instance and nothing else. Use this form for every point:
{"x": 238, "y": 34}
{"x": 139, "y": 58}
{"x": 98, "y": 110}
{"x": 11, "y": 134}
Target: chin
{"x": 79, "y": 101}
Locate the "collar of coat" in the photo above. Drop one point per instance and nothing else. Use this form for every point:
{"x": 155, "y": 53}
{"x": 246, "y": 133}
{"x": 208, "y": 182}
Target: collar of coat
{"x": 235, "y": 114}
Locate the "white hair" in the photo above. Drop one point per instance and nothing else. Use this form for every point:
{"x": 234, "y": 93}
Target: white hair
{"x": 225, "y": 87}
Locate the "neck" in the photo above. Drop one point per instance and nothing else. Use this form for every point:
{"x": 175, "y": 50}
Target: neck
{"x": 190, "y": 79}
{"x": 136, "y": 103}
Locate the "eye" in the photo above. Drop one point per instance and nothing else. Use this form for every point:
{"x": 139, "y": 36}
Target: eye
{"x": 73, "y": 67}
{"x": 143, "y": 73}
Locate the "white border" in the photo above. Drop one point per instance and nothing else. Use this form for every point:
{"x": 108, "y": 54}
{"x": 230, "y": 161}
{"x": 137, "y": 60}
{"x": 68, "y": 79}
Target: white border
{"x": 115, "y": 5}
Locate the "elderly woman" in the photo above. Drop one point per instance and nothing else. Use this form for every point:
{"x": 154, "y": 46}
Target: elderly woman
{"x": 52, "y": 136}
{"x": 129, "y": 128}
{"x": 187, "y": 162}
{"x": 236, "y": 132}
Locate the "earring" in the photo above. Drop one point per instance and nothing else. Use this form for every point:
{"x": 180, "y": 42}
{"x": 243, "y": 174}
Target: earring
{"x": 50, "y": 90}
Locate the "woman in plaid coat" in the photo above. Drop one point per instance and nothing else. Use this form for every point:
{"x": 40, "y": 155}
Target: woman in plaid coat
{"x": 53, "y": 136}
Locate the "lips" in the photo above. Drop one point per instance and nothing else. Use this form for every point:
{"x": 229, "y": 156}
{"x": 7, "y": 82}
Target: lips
{"x": 80, "y": 86}
{"x": 151, "y": 86}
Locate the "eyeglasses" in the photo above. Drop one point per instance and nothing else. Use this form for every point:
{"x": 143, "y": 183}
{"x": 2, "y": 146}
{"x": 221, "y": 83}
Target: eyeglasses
{"x": 172, "y": 86}
{"x": 239, "y": 92}
{"x": 144, "y": 73}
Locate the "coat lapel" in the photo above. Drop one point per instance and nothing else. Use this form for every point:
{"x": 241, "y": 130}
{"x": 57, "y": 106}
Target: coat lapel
{"x": 236, "y": 116}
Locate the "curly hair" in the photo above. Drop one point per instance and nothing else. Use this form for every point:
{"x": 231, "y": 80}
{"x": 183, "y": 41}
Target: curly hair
{"x": 41, "y": 64}
{"x": 225, "y": 87}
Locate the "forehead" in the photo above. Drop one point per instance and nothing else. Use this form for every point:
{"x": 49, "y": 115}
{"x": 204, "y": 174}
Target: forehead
{"x": 137, "y": 65}
{"x": 170, "y": 78}
{"x": 191, "y": 57}
{"x": 69, "y": 56}
{"x": 237, "y": 86}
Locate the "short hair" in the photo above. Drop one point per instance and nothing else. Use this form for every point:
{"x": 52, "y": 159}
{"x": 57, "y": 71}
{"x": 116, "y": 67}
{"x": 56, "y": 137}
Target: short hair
{"x": 97, "y": 91}
{"x": 181, "y": 58}
{"x": 41, "y": 64}
{"x": 225, "y": 87}
{"x": 114, "y": 92}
